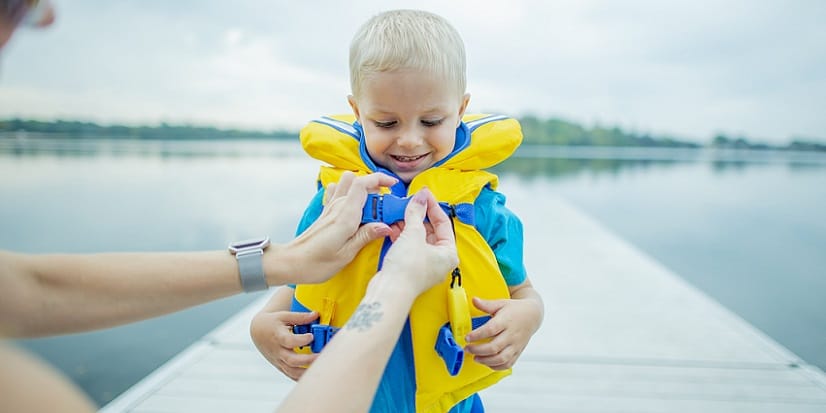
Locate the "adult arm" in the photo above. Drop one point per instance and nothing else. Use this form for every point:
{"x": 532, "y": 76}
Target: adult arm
{"x": 63, "y": 293}
{"x": 29, "y": 385}
{"x": 351, "y": 365}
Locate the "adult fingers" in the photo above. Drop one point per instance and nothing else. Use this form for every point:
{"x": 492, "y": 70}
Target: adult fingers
{"x": 344, "y": 183}
{"x": 395, "y": 230}
{"x": 374, "y": 181}
{"x": 352, "y": 192}
{"x": 416, "y": 210}
{"x": 439, "y": 221}
{"x": 329, "y": 192}
{"x": 359, "y": 187}
{"x": 365, "y": 234}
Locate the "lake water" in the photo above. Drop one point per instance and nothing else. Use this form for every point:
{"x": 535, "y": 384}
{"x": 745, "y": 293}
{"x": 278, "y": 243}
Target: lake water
{"x": 746, "y": 228}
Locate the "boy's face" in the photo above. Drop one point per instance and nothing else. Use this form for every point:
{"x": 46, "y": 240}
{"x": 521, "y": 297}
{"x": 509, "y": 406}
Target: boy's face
{"x": 409, "y": 119}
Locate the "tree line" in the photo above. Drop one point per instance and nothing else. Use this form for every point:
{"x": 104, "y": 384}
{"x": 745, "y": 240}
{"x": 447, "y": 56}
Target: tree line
{"x": 550, "y": 131}
{"x": 76, "y": 129}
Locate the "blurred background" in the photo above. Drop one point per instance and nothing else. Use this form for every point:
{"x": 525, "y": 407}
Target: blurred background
{"x": 695, "y": 131}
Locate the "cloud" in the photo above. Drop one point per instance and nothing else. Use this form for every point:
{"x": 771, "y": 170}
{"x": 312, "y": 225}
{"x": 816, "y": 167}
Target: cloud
{"x": 684, "y": 68}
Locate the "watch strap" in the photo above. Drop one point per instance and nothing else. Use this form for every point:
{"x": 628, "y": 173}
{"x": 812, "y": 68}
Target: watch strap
{"x": 251, "y": 270}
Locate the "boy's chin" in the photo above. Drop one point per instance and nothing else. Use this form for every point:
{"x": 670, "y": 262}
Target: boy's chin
{"x": 406, "y": 177}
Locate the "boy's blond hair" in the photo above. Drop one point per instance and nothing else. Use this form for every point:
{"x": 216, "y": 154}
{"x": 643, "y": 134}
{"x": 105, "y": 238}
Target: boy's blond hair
{"x": 407, "y": 39}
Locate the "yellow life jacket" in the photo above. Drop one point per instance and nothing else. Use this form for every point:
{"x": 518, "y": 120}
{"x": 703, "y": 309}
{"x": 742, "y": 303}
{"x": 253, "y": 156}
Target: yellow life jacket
{"x": 457, "y": 181}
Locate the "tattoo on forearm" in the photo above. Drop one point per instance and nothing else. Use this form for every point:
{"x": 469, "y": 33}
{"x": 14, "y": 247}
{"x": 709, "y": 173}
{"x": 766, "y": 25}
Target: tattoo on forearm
{"x": 365, "y": 316}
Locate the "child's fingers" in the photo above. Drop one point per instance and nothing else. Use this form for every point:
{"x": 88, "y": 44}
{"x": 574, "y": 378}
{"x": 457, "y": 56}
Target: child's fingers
{"x": 489, "y": 306}
{"x": 294, "y": 373}
{"x": 500, "y": 361}
{"x": 490, "y": 348}
{"x": 298, "y": 360}
{"x": 291, "y": 341}
{"x": 488, "y": 330}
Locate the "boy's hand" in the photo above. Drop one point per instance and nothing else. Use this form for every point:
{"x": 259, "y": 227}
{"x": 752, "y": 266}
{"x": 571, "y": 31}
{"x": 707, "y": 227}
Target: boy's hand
{"x": 272, "y": 333}
{"x": 511, "y": 326}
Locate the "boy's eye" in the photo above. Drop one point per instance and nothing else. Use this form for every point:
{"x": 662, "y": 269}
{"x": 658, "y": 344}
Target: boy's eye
{"x": 435, "y": 122}
{"x": 388, "y": 124}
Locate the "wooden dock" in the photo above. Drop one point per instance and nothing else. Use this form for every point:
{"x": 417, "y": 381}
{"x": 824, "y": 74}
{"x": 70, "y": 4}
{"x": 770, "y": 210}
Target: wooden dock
{"x": 621, "y": 334}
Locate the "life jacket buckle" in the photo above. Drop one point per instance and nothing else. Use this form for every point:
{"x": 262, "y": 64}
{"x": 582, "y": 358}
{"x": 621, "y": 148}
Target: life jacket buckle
{"x": 389, "y": 209}
{"x": 451, "y": 352}
{"x": 322, "y": 334}
{"x": 301, "y": 328}
{"x": 386, "y": 208}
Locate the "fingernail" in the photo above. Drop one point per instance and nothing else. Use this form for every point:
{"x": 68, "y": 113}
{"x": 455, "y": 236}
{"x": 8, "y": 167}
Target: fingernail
{"x": 420, "y": 197}
{"x": 381, "y": 231}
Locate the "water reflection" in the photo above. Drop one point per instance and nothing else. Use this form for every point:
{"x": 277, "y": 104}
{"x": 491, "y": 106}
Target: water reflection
{"x": 531, "y": 162}
{"x": 718, "y": 218}
{"x": 540, "y": 168}
{"x": 74, "y": 147}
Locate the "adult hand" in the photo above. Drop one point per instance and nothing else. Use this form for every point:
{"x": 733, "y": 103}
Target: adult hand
{"x": 423, "y": 254}
{"x": 337, "y": 235}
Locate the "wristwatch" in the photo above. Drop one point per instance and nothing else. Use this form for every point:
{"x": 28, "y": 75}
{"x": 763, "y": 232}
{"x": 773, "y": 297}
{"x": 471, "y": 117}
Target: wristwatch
{"x": 249, "y": 254}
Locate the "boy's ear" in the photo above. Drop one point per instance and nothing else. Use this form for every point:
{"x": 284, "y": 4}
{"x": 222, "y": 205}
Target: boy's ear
{"x": 465, "y": 101}
{"x": 353, "y": 105}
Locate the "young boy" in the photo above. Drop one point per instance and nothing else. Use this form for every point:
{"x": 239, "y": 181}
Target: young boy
{"x": 407, "y": 73}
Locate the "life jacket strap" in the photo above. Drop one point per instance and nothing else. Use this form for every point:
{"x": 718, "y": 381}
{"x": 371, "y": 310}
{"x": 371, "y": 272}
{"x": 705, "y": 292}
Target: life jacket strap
{"x": 389, "y": 209}
{"x": 446, "y": 345}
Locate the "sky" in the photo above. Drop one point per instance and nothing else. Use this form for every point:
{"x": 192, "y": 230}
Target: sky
{"x": 686, "y": 69}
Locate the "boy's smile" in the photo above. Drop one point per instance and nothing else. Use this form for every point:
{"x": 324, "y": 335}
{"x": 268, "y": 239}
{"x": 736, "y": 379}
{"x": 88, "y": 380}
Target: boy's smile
{"x": 409, "y": 119}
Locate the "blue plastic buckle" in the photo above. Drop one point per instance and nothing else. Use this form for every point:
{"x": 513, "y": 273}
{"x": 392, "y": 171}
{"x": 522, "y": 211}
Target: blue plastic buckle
{"x": 322, "y": 334}
{"x": 301, "y": 329}
{"x": 449, "y": 351}
{"x": 387, "y": 208}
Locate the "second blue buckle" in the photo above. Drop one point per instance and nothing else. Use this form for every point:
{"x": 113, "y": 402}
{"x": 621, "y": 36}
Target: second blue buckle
{"x": 322, "y": 334}
{"x": 449, "y": 350}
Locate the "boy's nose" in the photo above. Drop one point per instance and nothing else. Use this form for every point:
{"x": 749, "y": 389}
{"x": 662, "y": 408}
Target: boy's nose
{"x": 409, "y": 138}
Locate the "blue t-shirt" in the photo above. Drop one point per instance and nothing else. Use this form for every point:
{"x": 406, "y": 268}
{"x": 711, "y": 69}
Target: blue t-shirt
{"x": 502, "y": 230}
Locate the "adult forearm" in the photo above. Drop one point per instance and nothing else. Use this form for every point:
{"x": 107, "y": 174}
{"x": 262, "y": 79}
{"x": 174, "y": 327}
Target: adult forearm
{"x": 29, "y": 385}
{"x": 61, "y": 293}
{"x": 350, "y": 366}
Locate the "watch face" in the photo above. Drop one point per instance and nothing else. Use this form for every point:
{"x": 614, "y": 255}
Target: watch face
{"x": 250, "y": 243}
